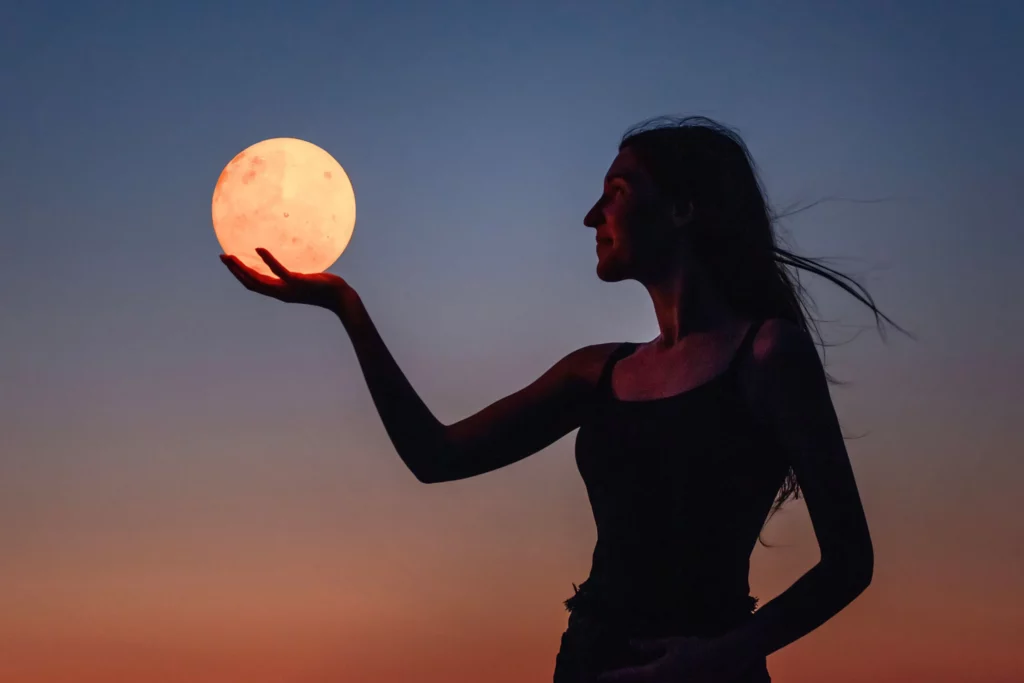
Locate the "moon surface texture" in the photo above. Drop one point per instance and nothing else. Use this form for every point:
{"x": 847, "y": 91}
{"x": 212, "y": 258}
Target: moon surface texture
{"x": 288, "y": 196}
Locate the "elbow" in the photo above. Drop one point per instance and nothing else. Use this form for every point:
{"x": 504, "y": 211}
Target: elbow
{"x": 425, "y": 474}
{"x": 853, "y": 572}
{"x": 427, "y": 477}
{"x": 862, "y": 568}
{"x": 439, "y": 473}
{"x": 430, "y": 462}
{"x": 860, "y": 576}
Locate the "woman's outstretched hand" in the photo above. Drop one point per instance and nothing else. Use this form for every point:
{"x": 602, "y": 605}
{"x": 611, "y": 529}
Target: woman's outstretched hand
{"x": 679, "y": 658}
{"x": 316, "y": 289}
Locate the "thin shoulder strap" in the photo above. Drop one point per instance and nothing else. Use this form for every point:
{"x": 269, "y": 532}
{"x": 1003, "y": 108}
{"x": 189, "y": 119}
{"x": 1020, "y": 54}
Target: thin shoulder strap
{"x": 746, "y": 346}
{"x": 623, "y": 350}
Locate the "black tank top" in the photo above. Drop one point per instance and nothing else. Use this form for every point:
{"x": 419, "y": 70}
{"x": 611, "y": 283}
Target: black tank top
{"x": 680, "y": 488}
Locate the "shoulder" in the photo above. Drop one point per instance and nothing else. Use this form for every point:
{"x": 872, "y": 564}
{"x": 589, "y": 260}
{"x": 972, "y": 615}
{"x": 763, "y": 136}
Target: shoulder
{"x": 783, "y": 365}
{"x": 779, "y": 339}
{"x": 584, "y": 365}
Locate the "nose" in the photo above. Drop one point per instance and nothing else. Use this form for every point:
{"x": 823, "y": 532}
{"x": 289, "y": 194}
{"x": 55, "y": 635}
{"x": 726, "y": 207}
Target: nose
{"x": 594, "y": 217}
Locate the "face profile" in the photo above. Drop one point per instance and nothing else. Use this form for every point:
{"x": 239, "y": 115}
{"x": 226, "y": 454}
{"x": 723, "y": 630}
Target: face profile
{"x": 639, "y": 233}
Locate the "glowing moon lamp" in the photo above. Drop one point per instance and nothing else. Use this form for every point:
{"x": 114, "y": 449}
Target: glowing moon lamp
{"x": 289, "y": 196}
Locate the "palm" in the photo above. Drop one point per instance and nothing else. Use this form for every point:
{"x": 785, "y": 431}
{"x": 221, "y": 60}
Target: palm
{"x": 315, "y": 289}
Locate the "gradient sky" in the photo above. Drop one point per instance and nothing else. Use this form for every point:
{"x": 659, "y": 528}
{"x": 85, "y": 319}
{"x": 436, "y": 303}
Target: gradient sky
{"x": 194, "y": 484}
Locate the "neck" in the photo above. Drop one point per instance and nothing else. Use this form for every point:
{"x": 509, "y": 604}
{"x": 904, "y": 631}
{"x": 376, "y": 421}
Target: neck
{"x": 685, "y": 302}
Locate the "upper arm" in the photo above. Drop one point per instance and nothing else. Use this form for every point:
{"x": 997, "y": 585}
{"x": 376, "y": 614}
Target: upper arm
{"x": 787, "y": 386}
{"x": 524, "y": 422}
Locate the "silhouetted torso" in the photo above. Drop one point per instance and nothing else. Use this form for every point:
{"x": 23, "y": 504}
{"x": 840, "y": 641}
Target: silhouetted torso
{"x": 680, "y": 488}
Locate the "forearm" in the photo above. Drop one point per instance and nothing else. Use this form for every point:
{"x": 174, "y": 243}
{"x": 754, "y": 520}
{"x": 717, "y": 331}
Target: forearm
{"x": 815, "y": 598}
{"x": 416, "y": 434}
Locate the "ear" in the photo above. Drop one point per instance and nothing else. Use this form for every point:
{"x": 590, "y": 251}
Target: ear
{"x": 679, "y": 219}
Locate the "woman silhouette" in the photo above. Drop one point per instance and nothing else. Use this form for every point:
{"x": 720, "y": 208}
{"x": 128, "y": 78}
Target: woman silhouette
{"x": 688, "y": 443}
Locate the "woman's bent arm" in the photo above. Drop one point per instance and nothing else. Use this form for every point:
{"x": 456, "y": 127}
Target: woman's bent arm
{"x": 504, "y": 432}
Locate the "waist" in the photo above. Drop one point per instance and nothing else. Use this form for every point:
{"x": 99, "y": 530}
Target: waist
{"x": 682, "y": 609}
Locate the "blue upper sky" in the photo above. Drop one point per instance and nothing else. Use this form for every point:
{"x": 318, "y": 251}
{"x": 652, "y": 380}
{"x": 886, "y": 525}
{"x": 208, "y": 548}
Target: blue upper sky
{"x": 476, "y": 136}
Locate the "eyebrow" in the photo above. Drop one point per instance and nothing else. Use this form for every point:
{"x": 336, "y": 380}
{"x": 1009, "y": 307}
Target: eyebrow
{"x": 617, "y": 176}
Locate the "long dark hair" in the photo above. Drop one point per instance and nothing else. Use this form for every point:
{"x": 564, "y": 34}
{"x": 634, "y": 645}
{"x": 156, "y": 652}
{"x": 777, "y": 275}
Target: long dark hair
{"x": 695, "y": 160}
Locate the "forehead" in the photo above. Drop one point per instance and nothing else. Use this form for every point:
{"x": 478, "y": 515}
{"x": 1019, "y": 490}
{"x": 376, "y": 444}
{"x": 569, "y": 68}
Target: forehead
{"x": 626, "y": 165}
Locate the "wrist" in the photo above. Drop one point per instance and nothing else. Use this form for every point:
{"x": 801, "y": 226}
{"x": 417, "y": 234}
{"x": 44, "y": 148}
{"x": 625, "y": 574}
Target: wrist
{"x": 345, "y": 303}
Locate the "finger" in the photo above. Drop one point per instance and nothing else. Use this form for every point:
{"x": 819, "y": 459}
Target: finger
{"x": 632, "y": 674}
{"x": 236, "y": 265}
{"x": 253, "y": 280}
{"x": 247, "y": 280}
{"x": 275, "y": 265}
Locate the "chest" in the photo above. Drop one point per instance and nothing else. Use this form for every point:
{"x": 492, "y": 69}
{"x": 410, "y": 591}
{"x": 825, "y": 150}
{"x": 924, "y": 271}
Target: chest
{"x": 702, "y": 444}
{"x": 648, "y": 373}
{"x": 695, "y": 446}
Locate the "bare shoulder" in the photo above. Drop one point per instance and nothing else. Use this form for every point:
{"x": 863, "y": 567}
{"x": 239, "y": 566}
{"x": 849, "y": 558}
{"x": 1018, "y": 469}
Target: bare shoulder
{"x": 783, "y": 366}
{"x": 780, "y": 339}
{"x": 584, "y": 365}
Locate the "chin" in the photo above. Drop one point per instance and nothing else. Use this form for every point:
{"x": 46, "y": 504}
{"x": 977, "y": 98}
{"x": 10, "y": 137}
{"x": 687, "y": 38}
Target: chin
{"x": 611, "y": 271}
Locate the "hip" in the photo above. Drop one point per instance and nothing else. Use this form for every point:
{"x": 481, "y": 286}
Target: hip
{"x": 596, "y": 641}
